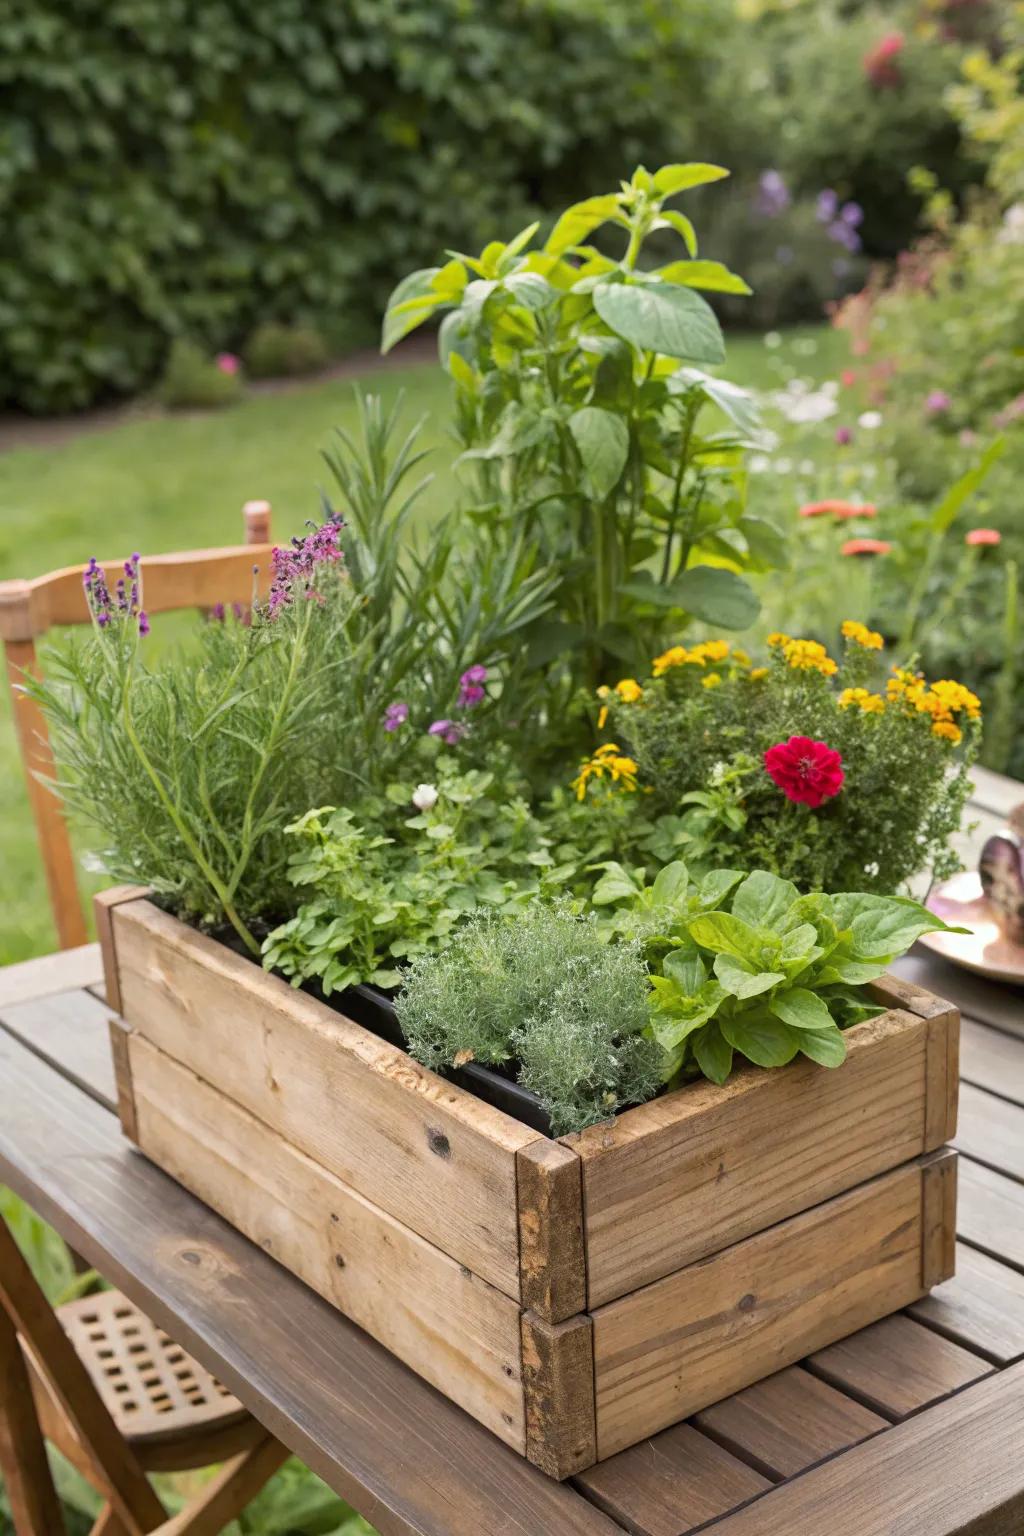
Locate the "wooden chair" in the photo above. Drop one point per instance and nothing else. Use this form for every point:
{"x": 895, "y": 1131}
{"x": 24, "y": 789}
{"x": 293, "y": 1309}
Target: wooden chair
{"x": 119, "y": 1400}
{"x": 28, "y": 609}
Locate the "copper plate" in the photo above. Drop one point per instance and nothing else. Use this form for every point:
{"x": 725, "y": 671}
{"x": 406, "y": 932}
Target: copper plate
{"x": 985, "y": 949}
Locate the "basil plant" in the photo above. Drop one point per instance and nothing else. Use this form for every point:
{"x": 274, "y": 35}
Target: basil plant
{"x": 743, "y": 964}
{"x": 594, "y": 435}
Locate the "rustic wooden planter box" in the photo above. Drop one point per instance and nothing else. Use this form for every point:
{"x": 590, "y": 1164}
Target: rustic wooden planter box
{"x": 577, "y": 1295}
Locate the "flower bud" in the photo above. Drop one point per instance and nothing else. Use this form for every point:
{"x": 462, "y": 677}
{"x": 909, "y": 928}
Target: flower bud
{"x": 425, "y": 797}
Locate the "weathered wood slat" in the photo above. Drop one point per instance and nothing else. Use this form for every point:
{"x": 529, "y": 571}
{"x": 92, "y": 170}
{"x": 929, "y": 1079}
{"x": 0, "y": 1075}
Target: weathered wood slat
{"x": 993, "y": 1060}
{"x": 440, "y": 1161}
{"x": 674, "y": 1347}
{"x": 982, "y": 1307}
{"x": 30, "y": 980}
{"x": 552, "y": 1261}
{"x": 990, "y": 1212}
{"x": 788, "y": 1422}
{"x": 953, "y": 1471}
{"x": 69, "y": 1030}
{"x": 897, "y": 1366}
{"x": 409, "y": 1460}
{"x": 451, "y": 1327}
{"x": 671, "y": 1484}
{"x": 991, "y": 1130}
{"x": 558, "y": 1387}
{"x": 696, "y": 1171}
{"x": 975, "y": 996}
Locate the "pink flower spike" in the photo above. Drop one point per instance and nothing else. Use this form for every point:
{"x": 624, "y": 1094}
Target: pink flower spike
{"x": 228, "y": 363}
{"x": 978, "y": 536}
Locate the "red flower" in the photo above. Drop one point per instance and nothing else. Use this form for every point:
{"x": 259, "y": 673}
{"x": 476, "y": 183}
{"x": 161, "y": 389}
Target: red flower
{"x": 880, "y": 62}
{"x": 839, "y": 509}
{"x": 806, "y": 771}
{"x": 984, "y": 536}
{"x": 865, "y": 547}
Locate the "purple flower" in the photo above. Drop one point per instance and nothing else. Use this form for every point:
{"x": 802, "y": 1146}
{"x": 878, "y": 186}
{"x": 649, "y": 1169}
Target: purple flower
{"x": 773, "y": 196}
{"x": 844, "y": 436}
{"x": 143, "y": 622}
{"x": 471, "y": 689}
{"x": 126, "y": 598}
{"x": 845, "y": 234}
{"x": 294, "y": 570}
{"x": 395, "y": 715}
{"x": 938, "y": 403}
{"x": 450, "y": 731}
{"x": 827, "y": 205}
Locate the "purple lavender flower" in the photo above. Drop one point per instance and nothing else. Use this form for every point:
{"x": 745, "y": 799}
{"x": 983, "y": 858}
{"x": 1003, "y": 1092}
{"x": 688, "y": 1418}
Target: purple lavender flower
{"x": 471, "y": 689}
{"x": 773, "y": 197}
{"x": 126, "y": 598}
{"x": 143, "y": 622}
{"x": 295, "y": 568}
{"x": 450, "y": 731}
{"x": 395, "y": 715}
{"x": 827, "y": 205}
{"x": 844, "y": 234}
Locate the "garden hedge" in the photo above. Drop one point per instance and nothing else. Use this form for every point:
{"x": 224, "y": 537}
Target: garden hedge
{"x": 198, "y": 167}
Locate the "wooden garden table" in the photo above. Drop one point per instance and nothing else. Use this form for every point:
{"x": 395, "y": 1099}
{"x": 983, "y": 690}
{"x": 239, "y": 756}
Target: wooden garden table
{"x": 913, "y": 1427}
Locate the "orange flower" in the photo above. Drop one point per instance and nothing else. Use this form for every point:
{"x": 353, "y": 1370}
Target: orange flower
{"x": 865, "y": 547}
{"x": 983, "y": 536}
{"x": 840, "y": 510}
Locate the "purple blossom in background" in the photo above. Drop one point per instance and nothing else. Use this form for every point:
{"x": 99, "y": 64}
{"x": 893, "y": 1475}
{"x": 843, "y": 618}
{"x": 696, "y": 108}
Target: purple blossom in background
{"x": 844, "y": 436}
{"x": 471, "y": 689}
{"x": 937, "y": 403}
{"x": 143, "y": 622}
{"x": 827, "y": 205}
{"x": 126, "y": 598}
{"x": 450, "y": 731}
{"x": 773, "y": 197}
{"x": 395, "y": 715}
{"x": 843, "y": 221}
{"x": 294, "y": 569}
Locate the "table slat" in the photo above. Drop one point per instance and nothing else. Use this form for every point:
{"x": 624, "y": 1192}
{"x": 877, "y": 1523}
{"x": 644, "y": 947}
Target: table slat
{"x": 990, "y": 1212}
{"x": 69, "y": 1031}
{"x": 410, "y": 1461}
{"x": 788, "y": 1422}
{"x": 991, "y": 1130}
{"x": 897, "y": 1367}
{"x": 982, "y": 1307}
{"x": 68, "y": 968}
{"x": 993, "y": 1060}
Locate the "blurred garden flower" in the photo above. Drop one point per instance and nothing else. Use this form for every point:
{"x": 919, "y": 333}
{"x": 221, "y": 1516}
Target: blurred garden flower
{"x": 395, "y": 716}
{"x": 424, "y": 797}
{"x": 870, "y": 420}
{"x": 967, "y": 438}
{"x": 294, "y": 570}
{"x": 982, "y": 536}
{"x": 228, "y": 363}
{"x": 937, "y": 403}
{"x": 471, "y": 689}
{"x": 881, "y": 63}
{"x": 827, "y": 205}
{"x": 808, "y": 772}
{"x": 773, "y": 197}
{"x": 450, "y": 731}
{"x": 844, "y": 436}
{"x": 1010, "y": 413}
{"x": 841, "y": 510}
{"x": 848, "y": 378}
{"x": 804, "y": 406}
{"x": 865, "y": 547}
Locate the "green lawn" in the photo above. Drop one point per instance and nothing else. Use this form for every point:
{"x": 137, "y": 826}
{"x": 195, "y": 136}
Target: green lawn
{"x": 178, "y": 482}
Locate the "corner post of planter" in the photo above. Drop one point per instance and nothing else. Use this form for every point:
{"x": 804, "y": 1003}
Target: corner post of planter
{"x": 942, "y": 1054}
{"x": 938, "y": 1217}
{"x": 552, "y": 1264}
{"x": 558, "y": 1387}
{"x": 104, "y": 906}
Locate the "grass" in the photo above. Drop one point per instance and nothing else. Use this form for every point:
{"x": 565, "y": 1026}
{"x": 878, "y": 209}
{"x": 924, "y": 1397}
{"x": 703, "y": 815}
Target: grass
{"x": 178, "y": 482}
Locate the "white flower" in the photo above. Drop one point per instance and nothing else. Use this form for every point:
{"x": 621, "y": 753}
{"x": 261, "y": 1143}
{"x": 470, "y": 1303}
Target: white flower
{"x": 1012, "y": 232}
{"x": 425, "y": 797}
{"x": 870, "y": 420}
{"x": 772, "y": 339}
{"x": 805, "y": 406}
{"x": 758, "y": 463}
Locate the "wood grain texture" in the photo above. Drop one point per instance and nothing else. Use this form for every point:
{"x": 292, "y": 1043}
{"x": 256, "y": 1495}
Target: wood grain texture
{"x": 982, "y": 1307}
{"x": 897, "y": 1366}
{"x": 686, "y": 1341}
{"x": 938, "y": 1217}
{"x": 671, "y": 1484}
{"x": 405, "y": 1457}
{"x": 436, "y": 1158}
{"x": 68, "y": 1029}
{"x": 119, "y": 1035}
{"x": 558, "y": 1387}
{"x": 992, "y": 1130}
{"x": 451, "y": 1327}
{"x": 990, "y": 1212}
{"x": 789, "y": 1421}
{"x": 103, "y": 904}
{"x": 977, "y": 998}
{"x": 552, "y": 1263}
{"x": 67, "y": 970}
{"x": 954, "y": 1471}
{"x": 693, "y": 1172}
{"x": 992, "y": 1060}
{"x": 27, "y": 1479}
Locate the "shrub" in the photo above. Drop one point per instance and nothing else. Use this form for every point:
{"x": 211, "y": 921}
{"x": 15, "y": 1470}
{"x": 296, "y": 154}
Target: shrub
{"x": 175, "y": 168}
{"x": 284, "y": 351}
{"x": 193, "y": 381}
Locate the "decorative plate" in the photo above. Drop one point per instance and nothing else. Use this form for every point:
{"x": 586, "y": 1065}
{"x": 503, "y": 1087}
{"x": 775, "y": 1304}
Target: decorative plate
{"x": 985, "y": 949}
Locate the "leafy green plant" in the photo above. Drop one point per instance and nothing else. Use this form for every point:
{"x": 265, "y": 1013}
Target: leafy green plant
{"x": 543, "y": 994}
{"x": 285, "y": 351}
{"x": 194, "y": 381}
{"x": 583, "y": 410}
{"x": 746, "y": 964}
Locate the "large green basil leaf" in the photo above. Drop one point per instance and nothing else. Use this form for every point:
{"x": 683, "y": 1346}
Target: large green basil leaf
{"x": 827, "y": 1046}
{"x": 801, "y": 1009}
{"x": 577, "y": 222}
{"x": 713, "y": 1053}
{"x": 686, "y": 969}
{"x": 723, "y": 933}
{"x": 660, "y": 317}
{"x": 602, "y": 441}
{"x": 717, "y": 596}
{"x": 670, "y": 886}
{"x": 615, "y": 886}
{"x": 743, "y": 982}
{"x": 763, "y": 899}
{"x": 716, "y": 885}
{"x": 763, "y": 1040}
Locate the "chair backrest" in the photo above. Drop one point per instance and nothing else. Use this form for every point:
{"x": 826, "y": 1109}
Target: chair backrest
{"x": 194, "y": 579}
{"x": 26, "y": 1317}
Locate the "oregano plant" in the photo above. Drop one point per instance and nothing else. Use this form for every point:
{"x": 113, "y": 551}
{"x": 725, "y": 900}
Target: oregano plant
{"x": 591, "y": 428}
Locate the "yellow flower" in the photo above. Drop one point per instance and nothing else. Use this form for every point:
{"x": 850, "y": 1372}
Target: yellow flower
{"x": 629, "y": 690}
{"x": 909, "y": 686}
{"x": 712, "y": 680}
{"x": 602, "y": 719}
{"x": 710, "y": 650}
{"x": 870, "y": 639}
{"x": 676, "y": 657}
{"x": 778, "y": 638}
{"x": 608, "y": 759}
{"x": 955, "y": 697}
{"x": 808, "y": 656}
{"x": 948, "y": 731}
{"x": 741, "y": 657}
{"x": 868, "y": 703}
{"x": 758, "y": 673}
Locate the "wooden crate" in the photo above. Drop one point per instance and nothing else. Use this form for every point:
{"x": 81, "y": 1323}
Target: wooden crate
{"x": 577, "y": 1295}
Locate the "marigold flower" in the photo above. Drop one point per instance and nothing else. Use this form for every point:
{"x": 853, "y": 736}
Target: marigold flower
{"x": 978, "y": 536}
{"x": 865, "y": 547}
{"x": 868, "y": 703}
{"x": 955, "y": 697}
{"x": 808, "y": 656}
{"x": 741, "y": 657}
{"x": 608, "y": 759}
{"x": 870, "y": 639}
{"x": 778, "y": 638}
{"x": 710, "y": 650}
{"x": 712, "y": 680}
{"x": 948, "y": 731}
{"x": 676, "y": 657}
{"x": 757, "y": 674}
{"x": 629, "y": 690}
{"x": 808, "y": 772}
